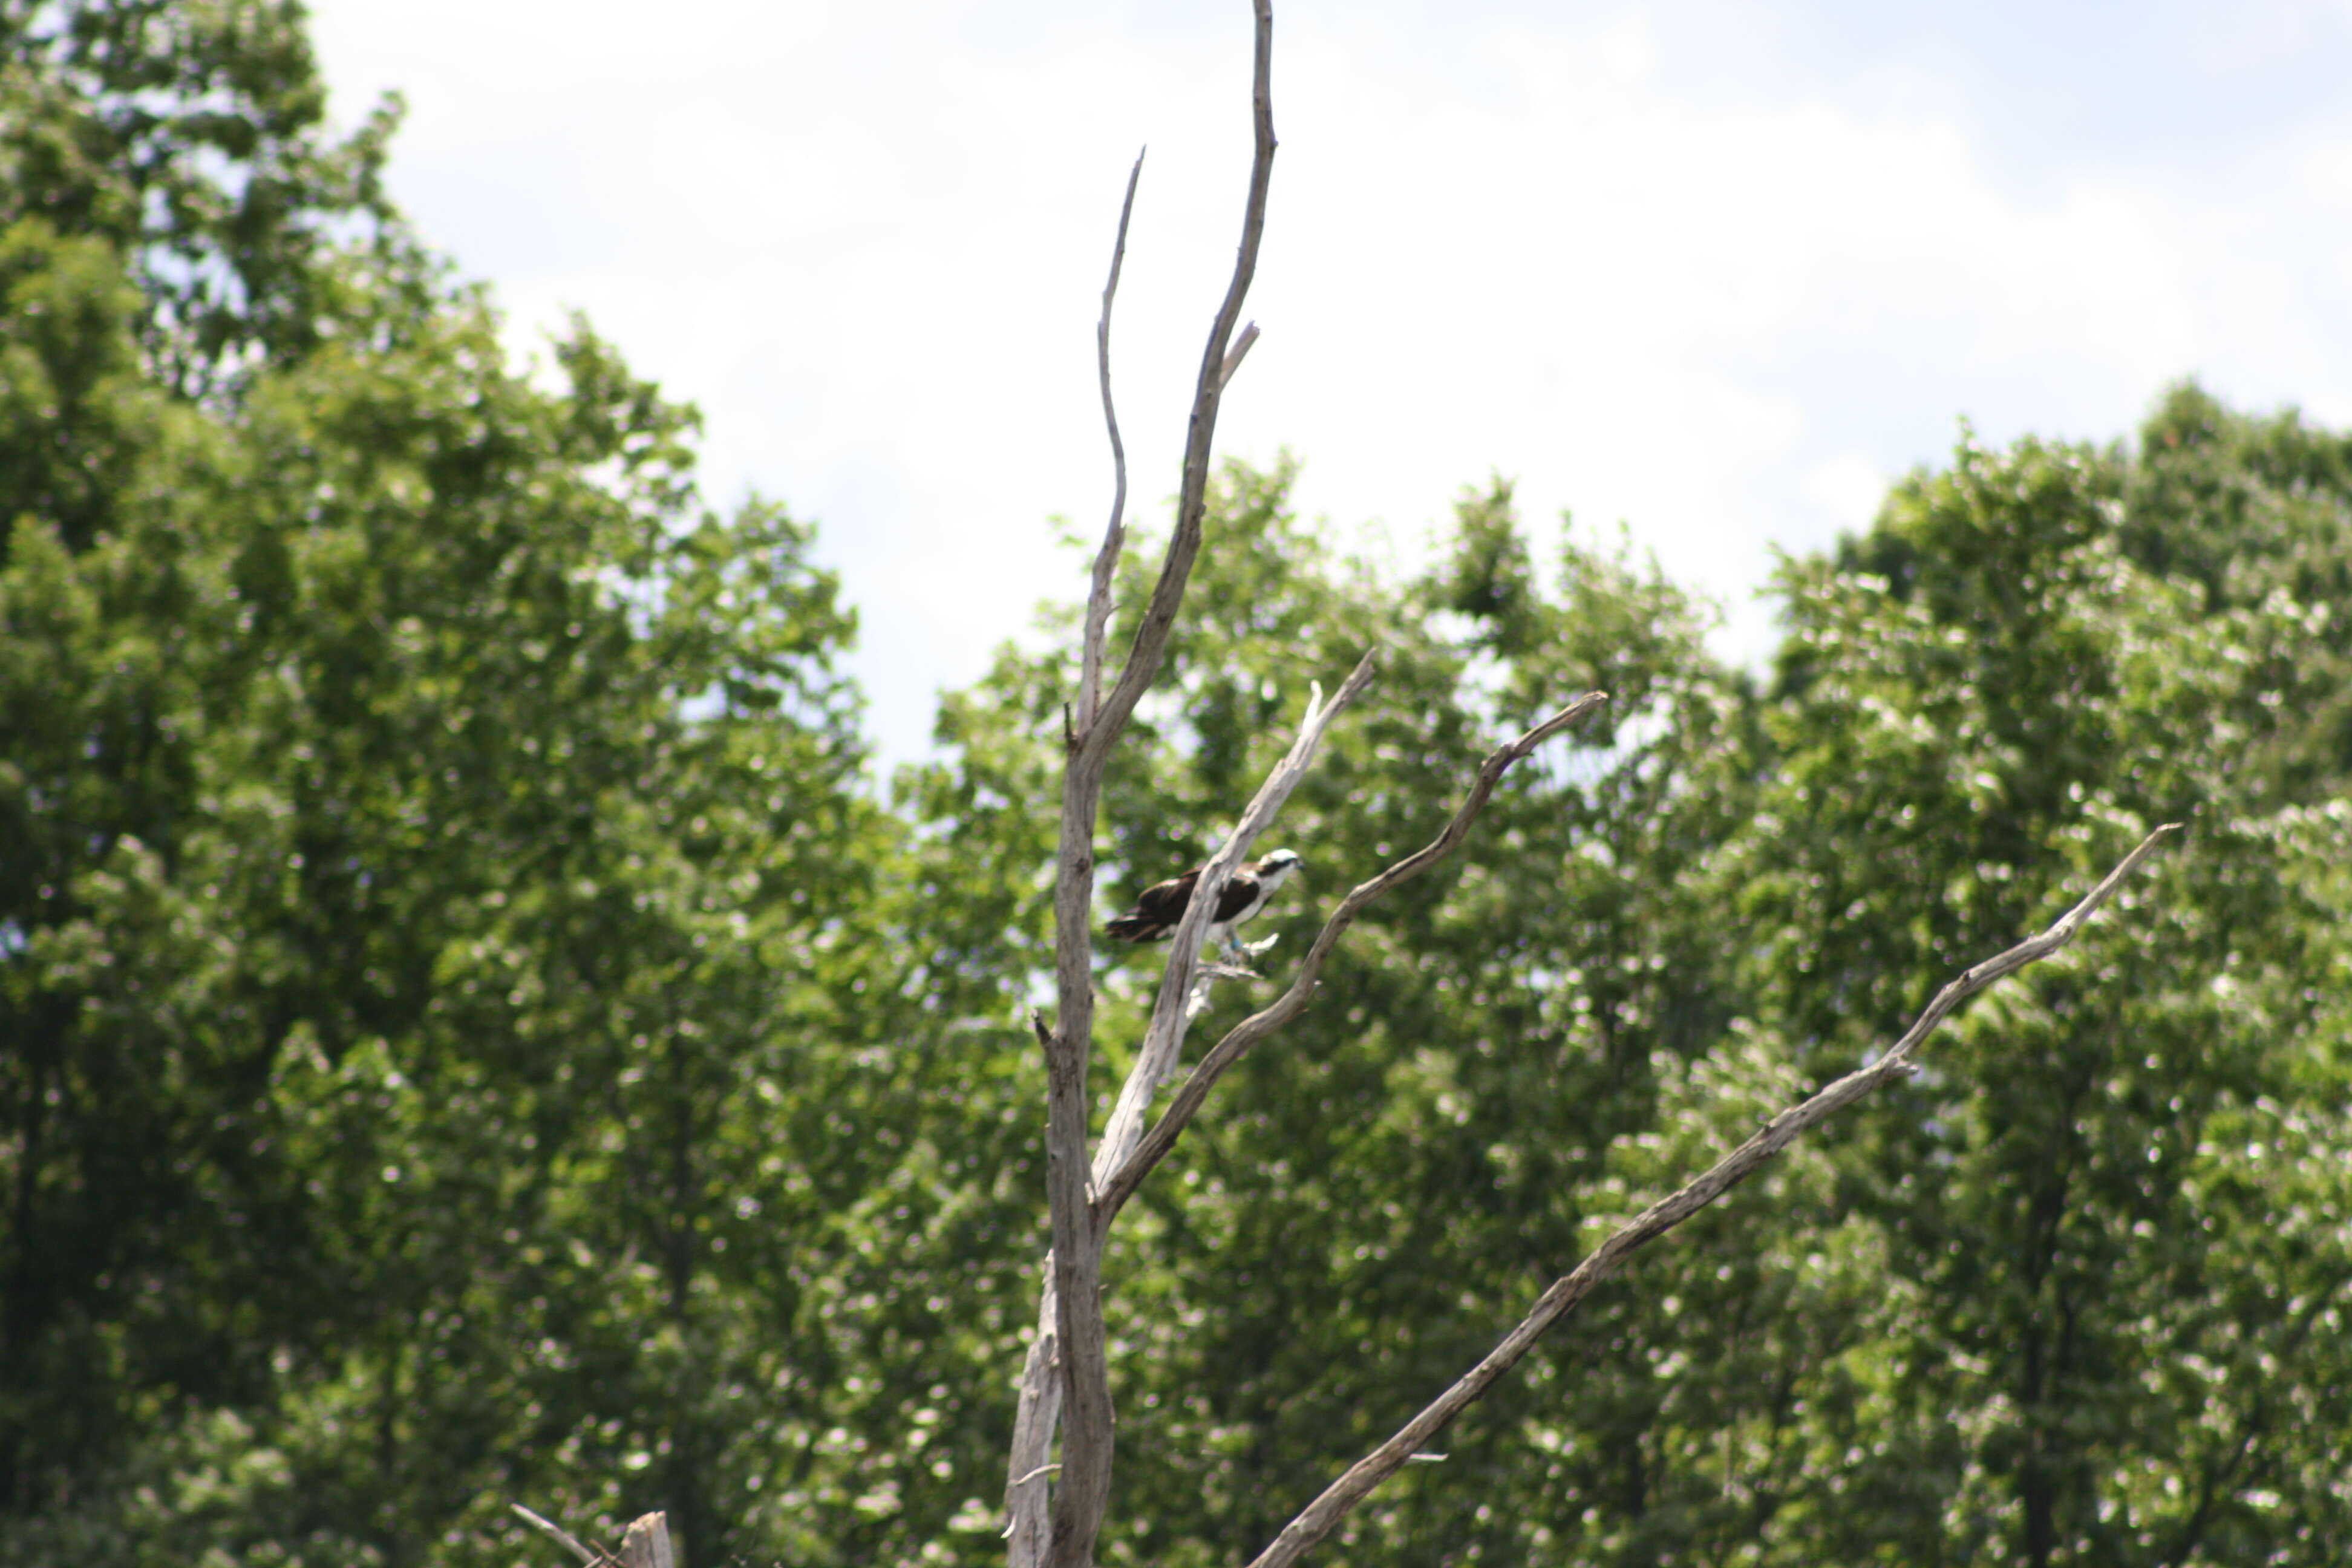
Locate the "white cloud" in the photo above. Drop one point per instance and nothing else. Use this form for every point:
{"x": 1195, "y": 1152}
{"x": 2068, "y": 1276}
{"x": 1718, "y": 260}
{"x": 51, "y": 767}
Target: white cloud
{"x": 868, "y": 241}
{"x": 1847, "y": 488}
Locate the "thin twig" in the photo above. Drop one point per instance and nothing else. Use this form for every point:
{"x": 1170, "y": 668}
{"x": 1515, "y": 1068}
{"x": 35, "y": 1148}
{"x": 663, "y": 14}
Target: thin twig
{"x": 1097, "y": 623}
{"x": 1189, "y": 1098}
{"x": 1239, "y": 352}
{"x": 1326, "y": 1512}
{"x": 560, "y": 1536}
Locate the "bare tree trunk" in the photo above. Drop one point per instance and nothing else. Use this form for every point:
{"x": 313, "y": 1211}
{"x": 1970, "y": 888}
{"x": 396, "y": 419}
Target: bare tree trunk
{"x": 1076, "y": 1358}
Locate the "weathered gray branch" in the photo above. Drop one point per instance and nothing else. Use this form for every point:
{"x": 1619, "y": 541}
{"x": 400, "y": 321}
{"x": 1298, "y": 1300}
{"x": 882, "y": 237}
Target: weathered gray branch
{"x": 1326, "y": 1512}
{"x": 1162, "y": 1138}
{"x": 1097, "y": 622}
{"x": 1239, "y": 352}
{"x": 560, "y": 1535}
{"x": 1027, "y": 1493}
{"x": 1192, "y": 496}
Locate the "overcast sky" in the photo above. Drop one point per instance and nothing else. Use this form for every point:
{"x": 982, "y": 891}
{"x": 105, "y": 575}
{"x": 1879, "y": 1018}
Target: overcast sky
{"x": 1717, "y": 273}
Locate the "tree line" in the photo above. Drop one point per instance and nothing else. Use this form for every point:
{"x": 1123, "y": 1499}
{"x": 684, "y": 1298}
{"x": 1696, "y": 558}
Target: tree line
{"x": 473, "y": 1027}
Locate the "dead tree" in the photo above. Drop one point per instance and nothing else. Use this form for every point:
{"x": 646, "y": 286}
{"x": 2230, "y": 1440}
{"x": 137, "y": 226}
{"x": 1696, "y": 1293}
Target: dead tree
{"x": 1055, "y": 1509}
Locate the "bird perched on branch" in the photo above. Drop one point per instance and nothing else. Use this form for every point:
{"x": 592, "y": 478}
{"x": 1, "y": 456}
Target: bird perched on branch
{"x": 1161, "y": 906}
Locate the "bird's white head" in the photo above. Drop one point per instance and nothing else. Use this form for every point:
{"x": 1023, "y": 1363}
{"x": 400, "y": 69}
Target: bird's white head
{"x": 1275, "y": 867}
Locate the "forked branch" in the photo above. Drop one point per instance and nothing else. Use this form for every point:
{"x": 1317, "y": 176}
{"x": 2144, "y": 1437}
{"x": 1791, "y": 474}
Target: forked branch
{"x": 1326, "y": 1512}
{"x": 1216, "y": 364}
{"x": 1083, "y": 1388}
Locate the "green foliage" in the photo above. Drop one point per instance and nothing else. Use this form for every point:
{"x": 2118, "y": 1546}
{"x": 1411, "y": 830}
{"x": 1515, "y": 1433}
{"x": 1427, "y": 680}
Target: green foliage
{"x": 190, "y": 139}
{"x": 1981, "y": 703}
{"x": 449, "y": 1057}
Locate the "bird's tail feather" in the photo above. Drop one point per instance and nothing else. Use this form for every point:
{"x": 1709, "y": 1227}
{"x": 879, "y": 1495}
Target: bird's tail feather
{"x": 1138, "y": 927}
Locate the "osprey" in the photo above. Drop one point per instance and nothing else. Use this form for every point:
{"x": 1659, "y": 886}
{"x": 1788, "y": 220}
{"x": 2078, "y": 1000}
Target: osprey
{"x": 1162, "y": 907}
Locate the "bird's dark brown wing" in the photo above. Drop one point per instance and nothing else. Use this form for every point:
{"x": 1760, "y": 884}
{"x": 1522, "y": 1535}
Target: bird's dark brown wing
{"x": 1157, "y": 911}
{"x": 1166, "y": 900}
{"x": 1240, "y": 892}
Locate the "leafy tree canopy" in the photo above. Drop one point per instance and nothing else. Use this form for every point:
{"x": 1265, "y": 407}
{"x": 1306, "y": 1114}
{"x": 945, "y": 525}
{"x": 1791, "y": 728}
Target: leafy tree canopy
{"x": 446, "y": 1057}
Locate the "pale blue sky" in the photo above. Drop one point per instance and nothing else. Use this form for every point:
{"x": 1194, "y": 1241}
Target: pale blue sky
{"x": 1719, "y": 270}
